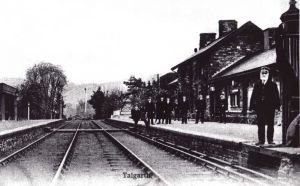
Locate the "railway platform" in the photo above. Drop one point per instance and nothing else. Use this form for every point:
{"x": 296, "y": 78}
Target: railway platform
{"x": 7, "y": 127}
{"x": 231, "y": 142}
{"x": 236, "y": 132}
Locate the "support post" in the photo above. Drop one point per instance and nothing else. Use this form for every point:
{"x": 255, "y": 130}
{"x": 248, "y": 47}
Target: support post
{"x": 15, "y": 109}
{"x": 3, "y": 107}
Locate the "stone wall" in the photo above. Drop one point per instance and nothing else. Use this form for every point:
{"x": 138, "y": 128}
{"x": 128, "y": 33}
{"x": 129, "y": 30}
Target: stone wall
{"x": 15, "y": 140}
{"x": 266, "y": 160}
{"x": 238, "y": 47}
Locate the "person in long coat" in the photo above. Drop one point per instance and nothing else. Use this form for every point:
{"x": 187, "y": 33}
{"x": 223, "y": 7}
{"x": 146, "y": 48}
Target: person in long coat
{"x": 150, "y": 110}
{"x": 136, "y": 115}
{"x": 264, "y": 101}
{"x": 200, "y": 106}
{"x": 184, "y": 107}
{"x": 168, "y": 111}
{"x": 223, "y": 106}
{"x": 160, "y": 110}
{"x": 144, "y": 117}
{"x": 176, "y": 110}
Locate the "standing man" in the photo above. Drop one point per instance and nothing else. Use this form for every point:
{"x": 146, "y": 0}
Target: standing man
{"x": 264, "y": 101}
{"x": 223, "y": 108}
{"x": 200, "y": 109}
{"x": 176, "y": 110}
{"x": 144, "y": 117}
{"x": 160, "y": 109}
{"x": 184, "y": 107}
{"x": 168, "y": 111}
{"x": 136, "y": 115}
{"x": 150, "y": 109}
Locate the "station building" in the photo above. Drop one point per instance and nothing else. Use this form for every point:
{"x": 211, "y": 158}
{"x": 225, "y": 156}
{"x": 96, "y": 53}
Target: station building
{"x": 229, "y": 64}
{"x": 237, "y": 81}
{"x": 233, "y": 44}
{"x": 8, "y": 102}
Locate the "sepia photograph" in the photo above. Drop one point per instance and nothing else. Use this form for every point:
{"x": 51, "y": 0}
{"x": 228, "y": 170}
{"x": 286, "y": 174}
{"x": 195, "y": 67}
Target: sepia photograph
{"x": 149, "y": 92}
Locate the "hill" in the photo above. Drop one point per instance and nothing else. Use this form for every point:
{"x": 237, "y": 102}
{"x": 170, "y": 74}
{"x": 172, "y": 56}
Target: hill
{"x": 73, "y": 93}
{"x": 14, "y": 82}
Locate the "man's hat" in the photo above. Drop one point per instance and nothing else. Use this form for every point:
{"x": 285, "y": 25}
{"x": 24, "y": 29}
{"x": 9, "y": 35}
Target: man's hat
{"x": 265, "y": 68}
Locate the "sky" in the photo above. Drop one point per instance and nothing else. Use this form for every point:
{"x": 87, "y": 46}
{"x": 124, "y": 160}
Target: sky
{"x": 97, "y": 41}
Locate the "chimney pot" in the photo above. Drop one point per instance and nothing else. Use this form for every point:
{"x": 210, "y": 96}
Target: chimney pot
{"x": 206, "y": 39}
{"x": 226, "y": 26}
{"x": 269, "y": 38}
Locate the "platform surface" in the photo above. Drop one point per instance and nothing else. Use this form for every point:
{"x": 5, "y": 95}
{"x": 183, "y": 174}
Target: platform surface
{"x": 236, "y": 132}
{"x": 13, "y": 126}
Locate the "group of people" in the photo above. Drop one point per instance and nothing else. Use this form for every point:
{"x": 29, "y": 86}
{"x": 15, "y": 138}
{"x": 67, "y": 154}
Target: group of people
{"x": 164, "y": 110}
{"x": 264, "y": 101}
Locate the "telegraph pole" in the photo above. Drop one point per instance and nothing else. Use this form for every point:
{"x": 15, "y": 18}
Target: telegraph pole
{"x": 28, "y": 111}
{"x": 85, "y": 100}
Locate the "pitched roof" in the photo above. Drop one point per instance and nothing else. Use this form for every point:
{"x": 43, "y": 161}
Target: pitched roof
{"x": 248, "y": 63}
{"x": 7, "y": 89}
{"x": 216, "y": 43}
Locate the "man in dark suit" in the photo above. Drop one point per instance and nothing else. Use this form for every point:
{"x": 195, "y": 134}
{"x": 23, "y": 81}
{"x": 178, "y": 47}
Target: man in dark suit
{"x": 168, "y": 111}
{"x": 150, "y": 109}
{"x": 200, "y": 106}
{"x": 184, "y": 107}
{"x": 264, "y": 101}
{"x": 160, "y": 110}
{"x": 176, "y": 110}
{"x": 223, "y": 107}
{"x": 136, "y": 115}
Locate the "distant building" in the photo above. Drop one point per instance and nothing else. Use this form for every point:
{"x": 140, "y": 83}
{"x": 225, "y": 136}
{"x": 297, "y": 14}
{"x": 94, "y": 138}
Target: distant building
{"x": 213, "y": 55}
{"x": 8, "y": 102}
{"x": 165, "y": 83}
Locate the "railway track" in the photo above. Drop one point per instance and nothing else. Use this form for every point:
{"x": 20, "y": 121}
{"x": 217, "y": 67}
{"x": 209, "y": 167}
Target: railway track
{"x": 95, "y": 153}
{"x": 66, "y": 158}
{"x": 34, "y": 163}
{"x": 99, "y": 160}
{"x": 232, "y": 171}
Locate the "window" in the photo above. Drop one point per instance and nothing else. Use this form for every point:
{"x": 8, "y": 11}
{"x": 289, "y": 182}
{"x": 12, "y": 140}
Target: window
{"x": 235, "y": 98}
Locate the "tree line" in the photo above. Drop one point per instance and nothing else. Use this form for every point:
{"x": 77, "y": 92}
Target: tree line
{"x": 42, "y": 92}
{"x": 137, "y": 92}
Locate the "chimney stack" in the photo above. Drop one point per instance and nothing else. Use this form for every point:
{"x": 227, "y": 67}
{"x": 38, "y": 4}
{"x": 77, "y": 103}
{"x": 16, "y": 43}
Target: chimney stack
{"x": 269, "y": 38}
{"x": 226, "y": 26}
{"x": 206, "y": 38}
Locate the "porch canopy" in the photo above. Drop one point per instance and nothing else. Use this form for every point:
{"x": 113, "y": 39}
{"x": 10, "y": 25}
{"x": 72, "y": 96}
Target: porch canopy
{"x": 246, "y": 65}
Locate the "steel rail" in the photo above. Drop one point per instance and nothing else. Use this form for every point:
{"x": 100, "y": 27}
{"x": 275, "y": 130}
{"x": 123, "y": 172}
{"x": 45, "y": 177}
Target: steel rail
{"x": 17, "y": 152}
{"x": 63, "y": 162}
{"x": 132, "y": 154}
{"x": 207, "y": 163}
{"x": 205, "y": 160}
{"x": 204, "y": 156}
{"x": 87, "y": 130}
